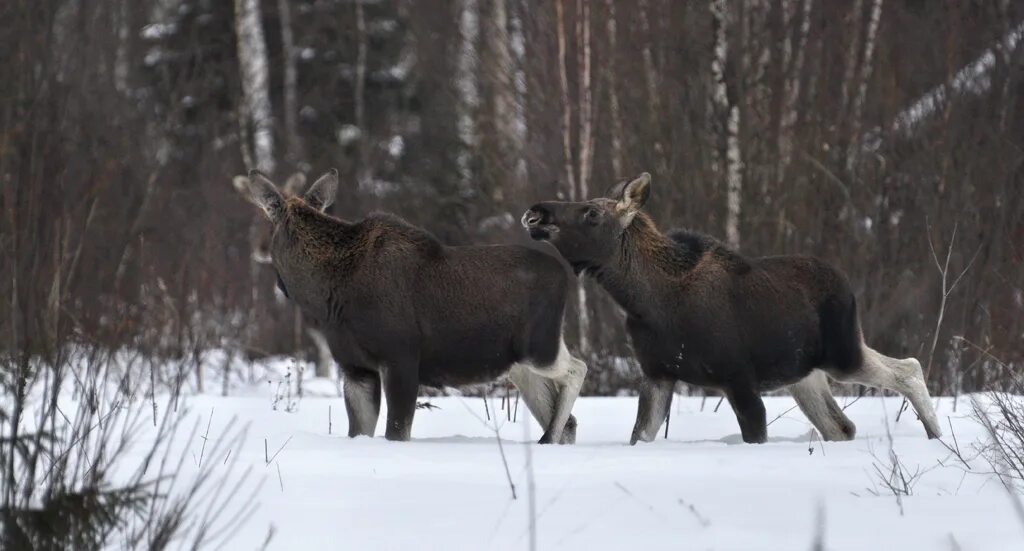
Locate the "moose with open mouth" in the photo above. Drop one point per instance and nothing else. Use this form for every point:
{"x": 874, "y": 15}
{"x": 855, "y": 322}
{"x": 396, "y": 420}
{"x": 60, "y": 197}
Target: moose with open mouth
{"x": 702, "y": 313}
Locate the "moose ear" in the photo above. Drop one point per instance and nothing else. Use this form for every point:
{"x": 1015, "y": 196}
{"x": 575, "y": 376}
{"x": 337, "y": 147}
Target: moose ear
{"x": 635, "y": 193}
{"x": 261, "y": 192}
{"x": 295, "y": 184}
{"x": 321, "y": 193}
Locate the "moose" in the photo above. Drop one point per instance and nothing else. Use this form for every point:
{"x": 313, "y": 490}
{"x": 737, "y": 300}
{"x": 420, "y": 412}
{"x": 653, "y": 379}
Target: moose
{"x": 699, "y": 312}
{"x": 399, "y": 309}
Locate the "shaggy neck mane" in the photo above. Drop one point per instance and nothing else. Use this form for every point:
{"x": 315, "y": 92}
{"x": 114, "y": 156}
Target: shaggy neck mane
{"x": 646, "y": 263}
{"x": 319, "y": 235}
{"x": 332, "y": 242}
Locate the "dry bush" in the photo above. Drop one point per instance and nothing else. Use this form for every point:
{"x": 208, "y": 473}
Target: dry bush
{"x": 71, "y": 426}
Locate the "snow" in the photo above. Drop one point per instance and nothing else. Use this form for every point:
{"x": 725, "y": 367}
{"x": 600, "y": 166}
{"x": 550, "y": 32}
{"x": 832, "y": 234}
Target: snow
{"x": 699, "y": 489}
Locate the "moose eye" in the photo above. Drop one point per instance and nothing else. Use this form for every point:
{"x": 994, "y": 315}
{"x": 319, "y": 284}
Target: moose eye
{"x": 591, "y": 215}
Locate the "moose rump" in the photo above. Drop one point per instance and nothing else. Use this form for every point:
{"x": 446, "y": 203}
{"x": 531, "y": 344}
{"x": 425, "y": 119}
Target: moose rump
{"x": 400, "y": 309}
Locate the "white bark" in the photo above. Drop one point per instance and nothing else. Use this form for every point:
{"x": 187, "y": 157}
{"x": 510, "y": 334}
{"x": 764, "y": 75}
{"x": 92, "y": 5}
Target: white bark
{"x": 252, "y": 61}
{"x": 501, "y": 72}
{"x": 731, "y": 113}
{"x": 973, "y": 79}
{"x": 468, "y": 91}
{"x": 585, "y": 147}
{"x": 586, "y": 107}
{"x": 563, "y": 81}
{"x": 364, "y": 176}
{"x": 517, "y": 42}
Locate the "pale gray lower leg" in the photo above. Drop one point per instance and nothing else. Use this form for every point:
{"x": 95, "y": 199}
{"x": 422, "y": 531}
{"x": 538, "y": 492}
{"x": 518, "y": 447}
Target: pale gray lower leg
{"x": 652, "y": 408}
{"x": 538, "y": 393}
{"x": 362, "y": 401}
{"x": 903, "y": 376}
{"x": 550, "y": 393}
{"x": 814, "y": 396}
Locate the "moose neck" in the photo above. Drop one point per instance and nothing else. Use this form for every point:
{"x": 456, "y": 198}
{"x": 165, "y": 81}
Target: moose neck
{"x": 644, "y": 267}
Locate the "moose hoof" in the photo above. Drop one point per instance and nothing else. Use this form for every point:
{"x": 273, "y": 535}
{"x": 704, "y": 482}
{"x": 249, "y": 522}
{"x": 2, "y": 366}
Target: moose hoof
{"x": 569, "y": 432}
{"x": 546, "y": 439}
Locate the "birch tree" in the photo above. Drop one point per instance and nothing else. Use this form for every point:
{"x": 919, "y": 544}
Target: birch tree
{"x": 500, "y": 70}
{"x": 563, "y": 86}
{"x": 252, "y": 63}
{"x": 468, "y": 92}
{"x": 585, "y": 146}
{"x": 731, "y": 113}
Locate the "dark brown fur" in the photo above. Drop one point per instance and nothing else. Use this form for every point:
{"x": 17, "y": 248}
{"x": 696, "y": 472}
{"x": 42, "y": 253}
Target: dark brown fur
{"x": 702, "y": 313}
{"x": 400, "y": 309}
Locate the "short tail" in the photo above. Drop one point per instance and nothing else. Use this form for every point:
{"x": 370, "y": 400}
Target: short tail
{"x": 840, "y": 330}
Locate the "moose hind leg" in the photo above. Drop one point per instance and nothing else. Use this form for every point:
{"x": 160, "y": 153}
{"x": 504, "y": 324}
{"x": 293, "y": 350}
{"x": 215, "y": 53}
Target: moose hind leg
{"x": 550, "y": 393}
{"x": 749, "y": 409}
{"x": 362, "y": 400}
{"x": 540, "y": 395}
{"x": 652, "y": 408}
{"x": 904, "y": 376}
{"x": 813, "y": 395}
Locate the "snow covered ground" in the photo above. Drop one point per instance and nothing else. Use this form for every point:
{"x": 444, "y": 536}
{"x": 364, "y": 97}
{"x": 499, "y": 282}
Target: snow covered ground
{"x": 699, "y": 489}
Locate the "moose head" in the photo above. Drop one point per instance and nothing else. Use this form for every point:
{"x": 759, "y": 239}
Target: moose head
{"x": 586, "y": 233}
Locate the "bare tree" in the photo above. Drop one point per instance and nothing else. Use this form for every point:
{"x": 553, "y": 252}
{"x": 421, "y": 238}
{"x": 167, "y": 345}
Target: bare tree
{"x": 730, "y": 111}
{"x": 253, "y": 65}
{"x": 468, "y": 89}
{"x": 614, "y": 110}
{"x": 364, "y": 173}
{"x": 563, "y": 85}
{"x": 293, "y": 151}
{"x": 791, "y": 87}
{"x": 866, "y": 67}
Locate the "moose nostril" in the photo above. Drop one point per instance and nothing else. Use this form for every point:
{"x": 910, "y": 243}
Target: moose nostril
{"x": 531, "y": 218}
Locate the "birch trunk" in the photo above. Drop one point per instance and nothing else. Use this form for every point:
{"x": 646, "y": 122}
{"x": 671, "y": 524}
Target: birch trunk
{"x": 468, "y": 92}
{"x": 500, "y": 71}
{"x": 517, "y": 42}
{"x": 584, "y": 91}
{"x": 363, "y": 175}
{"x": 585, "y": 146}
{"x": 563, "y": 81}
{"x": 252, "y": 62}
{"x": 731, "y": 113}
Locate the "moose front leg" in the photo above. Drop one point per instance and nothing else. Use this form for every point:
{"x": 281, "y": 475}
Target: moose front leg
{"x": 652, "y": 409}
{"x": 749, "y": 408}
{"x": 362, "y": 400}
{"x": 401, "y": 385}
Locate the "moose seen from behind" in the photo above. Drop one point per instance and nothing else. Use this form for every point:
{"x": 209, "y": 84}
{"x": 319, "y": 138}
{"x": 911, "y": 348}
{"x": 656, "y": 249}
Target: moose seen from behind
{"x": 704, "y": 314}
{"x": 400, "y": 309}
